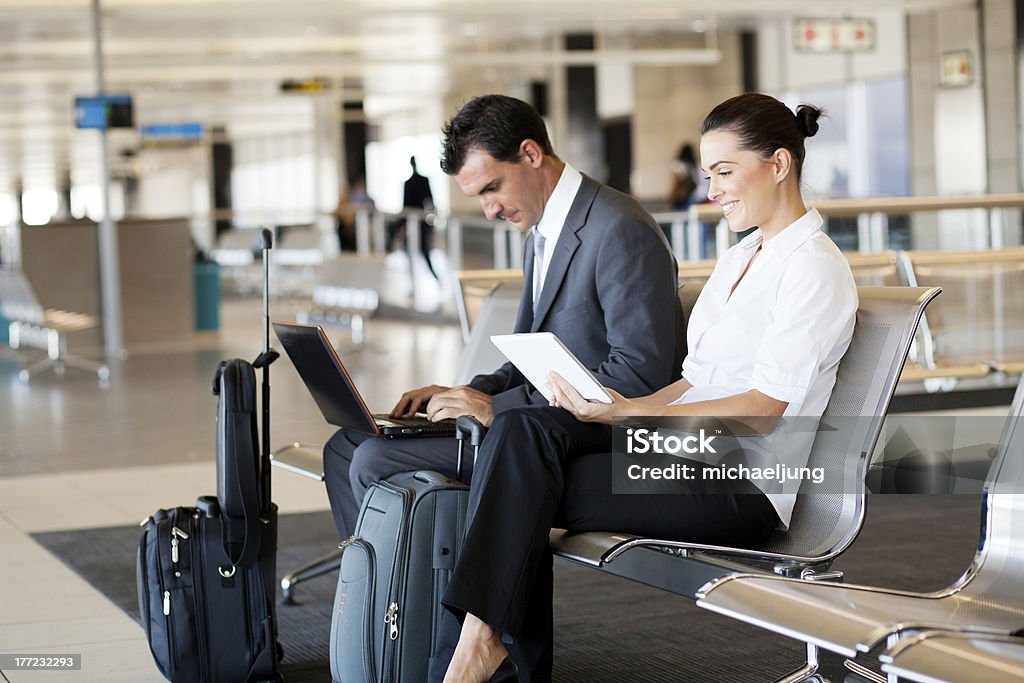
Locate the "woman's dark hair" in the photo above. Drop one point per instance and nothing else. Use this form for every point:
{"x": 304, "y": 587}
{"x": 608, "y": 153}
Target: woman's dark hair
{"x": 763, "y": 125}
{"x": 496, "y": 124}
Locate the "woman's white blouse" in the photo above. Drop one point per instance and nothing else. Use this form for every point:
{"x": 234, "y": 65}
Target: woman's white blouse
{"x": 782, "y": 331}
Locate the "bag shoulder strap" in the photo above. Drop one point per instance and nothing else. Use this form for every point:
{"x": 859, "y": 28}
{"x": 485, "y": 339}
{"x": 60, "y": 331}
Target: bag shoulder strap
{"x": 238, "y": 460}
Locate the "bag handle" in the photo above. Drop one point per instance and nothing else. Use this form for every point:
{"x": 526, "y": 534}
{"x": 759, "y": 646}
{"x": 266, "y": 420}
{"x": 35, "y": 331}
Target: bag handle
{"x": 263, "y": 361}
{"x": 467, "y": 426}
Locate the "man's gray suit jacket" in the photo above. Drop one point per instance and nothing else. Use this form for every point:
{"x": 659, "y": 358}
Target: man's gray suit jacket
{"x": 610, "y": 295}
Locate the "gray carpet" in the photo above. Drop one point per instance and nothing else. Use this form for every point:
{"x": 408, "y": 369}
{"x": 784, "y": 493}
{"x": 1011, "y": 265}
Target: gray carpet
{"x": 607, "y": 629}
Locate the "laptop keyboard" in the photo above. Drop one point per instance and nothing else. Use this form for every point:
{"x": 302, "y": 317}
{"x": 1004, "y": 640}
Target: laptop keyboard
{"x": 403, "y": 421}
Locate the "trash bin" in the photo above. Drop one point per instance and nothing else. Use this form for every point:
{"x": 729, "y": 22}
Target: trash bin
{"x": 207, "y": 291}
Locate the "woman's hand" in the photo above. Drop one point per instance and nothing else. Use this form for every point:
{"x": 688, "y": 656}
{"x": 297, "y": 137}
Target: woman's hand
{"x": 565, "y": 396}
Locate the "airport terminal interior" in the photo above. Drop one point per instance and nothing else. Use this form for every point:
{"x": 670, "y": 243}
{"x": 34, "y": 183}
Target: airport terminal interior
{"x": 145, "y": 145}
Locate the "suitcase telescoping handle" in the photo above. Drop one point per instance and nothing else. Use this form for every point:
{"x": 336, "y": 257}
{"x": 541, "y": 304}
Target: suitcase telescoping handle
{"x": 468, "y": 427}
{"x": 264, "y": 360}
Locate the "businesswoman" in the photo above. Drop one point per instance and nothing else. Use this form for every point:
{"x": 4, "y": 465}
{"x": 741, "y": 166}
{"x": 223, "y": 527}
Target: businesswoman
{"x": 765, "y": 339}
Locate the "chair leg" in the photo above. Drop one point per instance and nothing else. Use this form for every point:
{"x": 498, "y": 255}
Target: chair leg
{"x": 102, "y": 371}
{"x": 808, "y": 671}
{"x": 310, "y": 570}
{"x": 36, "y": 368}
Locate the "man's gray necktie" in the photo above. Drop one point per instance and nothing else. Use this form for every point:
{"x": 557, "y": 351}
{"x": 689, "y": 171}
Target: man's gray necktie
{"x": 538, "y": 266}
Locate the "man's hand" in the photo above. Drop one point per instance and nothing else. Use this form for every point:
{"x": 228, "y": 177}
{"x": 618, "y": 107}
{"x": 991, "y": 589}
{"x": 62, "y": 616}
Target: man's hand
{"x": 415, "y": 400}
{"x": 461, "y": 401}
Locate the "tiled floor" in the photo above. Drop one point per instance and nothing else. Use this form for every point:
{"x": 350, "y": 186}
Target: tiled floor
{"x": 75, "y": 455}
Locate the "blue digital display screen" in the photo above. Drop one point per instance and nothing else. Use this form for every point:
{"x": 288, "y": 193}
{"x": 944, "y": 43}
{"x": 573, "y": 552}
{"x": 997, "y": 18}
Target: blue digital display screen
{"x": 104, "y": 111}
{"x": 188, "y": 130}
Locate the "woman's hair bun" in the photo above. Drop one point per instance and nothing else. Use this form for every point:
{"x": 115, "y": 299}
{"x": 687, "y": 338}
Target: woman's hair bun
{"x": 807, "y": 119}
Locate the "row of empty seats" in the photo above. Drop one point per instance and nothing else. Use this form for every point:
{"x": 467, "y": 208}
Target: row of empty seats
{"x": 297, "y": 255}
{"x": 32, "y": 326}
{"x": 961, "y": 634}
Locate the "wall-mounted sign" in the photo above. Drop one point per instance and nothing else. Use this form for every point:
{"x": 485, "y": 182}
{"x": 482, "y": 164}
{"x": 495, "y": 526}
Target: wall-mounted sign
{"x": 186, "y": 130}
{"x": 834, "y": 35}
{"x": 308, "y": 86}
{"x": 957, "y": 69}
{"x": 171, "y": 135}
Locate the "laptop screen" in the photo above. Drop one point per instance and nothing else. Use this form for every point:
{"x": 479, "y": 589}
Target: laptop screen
{"x": 326, "y": 378}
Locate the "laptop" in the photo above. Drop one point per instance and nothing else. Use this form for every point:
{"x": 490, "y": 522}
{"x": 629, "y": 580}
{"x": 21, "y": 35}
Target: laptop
{"x": 335, "y": 393}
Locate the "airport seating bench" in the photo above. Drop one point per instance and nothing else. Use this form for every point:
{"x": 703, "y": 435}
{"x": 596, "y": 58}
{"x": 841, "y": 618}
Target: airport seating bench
{"x": 977, "y": 329}
{"x": 853, "y": 620}
{"x": 236, "y": 252}
{"x": 827, "y": 516}
{"x": 956, "y": 657}
{"x": 297, "y": 259}
{"x": 32, "y": 326}
{"x": 973, "y": 335}
{"x": 474, "y": 286}
{"x": 347, "y": 293}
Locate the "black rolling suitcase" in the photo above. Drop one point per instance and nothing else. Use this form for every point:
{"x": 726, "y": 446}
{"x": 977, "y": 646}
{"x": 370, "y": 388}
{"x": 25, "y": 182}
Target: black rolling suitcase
{"x": 207, "y": 574}
{"x": 389, "y": 625}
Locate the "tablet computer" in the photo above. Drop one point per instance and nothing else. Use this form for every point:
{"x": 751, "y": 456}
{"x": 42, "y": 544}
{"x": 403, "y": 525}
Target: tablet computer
{"x": 536, "y": 353}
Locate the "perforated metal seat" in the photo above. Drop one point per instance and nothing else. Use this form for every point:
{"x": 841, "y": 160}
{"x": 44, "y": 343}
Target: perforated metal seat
{"x": 475, "y": 286}
{"x": 495, "y": 315}
{"x": 851, "y": 619}
{"x": 942, "y": 657}
{"x": 828, "y": 517}
{"x": 977, "y": 329}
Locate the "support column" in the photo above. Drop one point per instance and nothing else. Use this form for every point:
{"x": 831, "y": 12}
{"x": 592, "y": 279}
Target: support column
{"x": 922, "y": 83}
{"x": 221, "y": 162}
{"x": 558, "y": 107}
{"x": 354, "y": 138}
{"x": 110, "y": 277}
{"x": 1001, "y": 90}
{"x": 327, "y": 180}
{"x": 585, "y": 149}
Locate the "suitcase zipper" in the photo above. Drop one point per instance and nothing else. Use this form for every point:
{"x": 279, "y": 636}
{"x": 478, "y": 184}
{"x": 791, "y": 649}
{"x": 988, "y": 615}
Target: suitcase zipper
{"x": 172, "y": 651}
{"x": 144, "y": 608}
{"x": 389, "y": 655}
{"x": 440, "y": 580}
{"x": 199, "y": 570}
{"x": 176, "y": 533}
{"x": 391, "y": 619}
{"x": 252, "y": 605}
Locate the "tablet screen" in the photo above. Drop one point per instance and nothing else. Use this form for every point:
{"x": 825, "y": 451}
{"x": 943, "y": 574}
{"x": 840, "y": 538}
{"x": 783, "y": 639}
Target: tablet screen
{"x": 537, "y": 353}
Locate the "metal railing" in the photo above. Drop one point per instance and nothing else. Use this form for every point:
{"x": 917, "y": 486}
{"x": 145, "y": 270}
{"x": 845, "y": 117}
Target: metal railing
{"x": 872, "y": 216}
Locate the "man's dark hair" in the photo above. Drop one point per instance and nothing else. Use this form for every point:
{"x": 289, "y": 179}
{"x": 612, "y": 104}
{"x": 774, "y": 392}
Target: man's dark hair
{"x": 495, "y": 124}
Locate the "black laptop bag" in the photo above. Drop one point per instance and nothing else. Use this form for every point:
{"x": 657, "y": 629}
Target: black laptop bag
{"x": 206, "y": 574}
{"x": 389, "y": 625}
{"x": 207, "y": 620}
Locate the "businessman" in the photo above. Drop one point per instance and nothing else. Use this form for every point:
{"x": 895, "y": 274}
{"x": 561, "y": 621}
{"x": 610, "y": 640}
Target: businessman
{"x": 598, "y": 274}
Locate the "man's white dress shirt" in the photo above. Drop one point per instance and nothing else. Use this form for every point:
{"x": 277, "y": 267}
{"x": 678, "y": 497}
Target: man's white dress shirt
{"x": 556, "y": 210}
